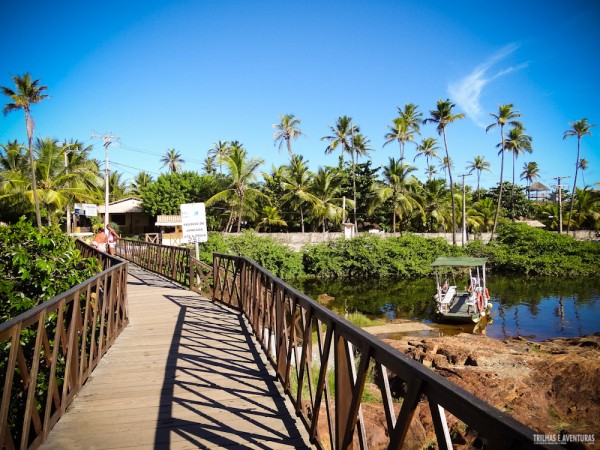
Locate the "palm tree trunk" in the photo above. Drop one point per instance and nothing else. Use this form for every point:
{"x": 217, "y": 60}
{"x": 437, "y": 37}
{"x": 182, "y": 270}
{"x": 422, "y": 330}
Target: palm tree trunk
{"x": 451, "y": 190}
{"x": 36, "y": 201}
{"x": 574, "y": 186}
{"x": 500, "y": 188}
{"x": 512, "y": 188}
{"x": 302, "y": 219}
{"x": 239, "y": 226}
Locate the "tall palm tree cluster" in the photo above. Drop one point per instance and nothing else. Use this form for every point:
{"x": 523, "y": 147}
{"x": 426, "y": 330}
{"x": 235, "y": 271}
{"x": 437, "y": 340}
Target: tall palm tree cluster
{"x": 45, "y": 177}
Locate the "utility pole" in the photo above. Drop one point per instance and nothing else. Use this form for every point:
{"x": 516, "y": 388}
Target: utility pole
{"x": 559, "y": 193}
{"x": 464, "y": 209}
{"x": 107, "y": 138}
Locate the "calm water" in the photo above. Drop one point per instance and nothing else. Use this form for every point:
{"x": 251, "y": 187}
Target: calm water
{"x": 531, "y": 307}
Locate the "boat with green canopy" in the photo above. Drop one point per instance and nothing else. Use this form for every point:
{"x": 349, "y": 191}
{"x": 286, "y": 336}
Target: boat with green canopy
{"x": 461, "y": 293}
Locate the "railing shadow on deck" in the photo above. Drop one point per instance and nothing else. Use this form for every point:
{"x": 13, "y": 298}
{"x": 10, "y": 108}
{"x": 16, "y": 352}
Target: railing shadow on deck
{"x": 189, "y": 382}
{"x": 48, "y": 352}
{"x": 328, "y": 367}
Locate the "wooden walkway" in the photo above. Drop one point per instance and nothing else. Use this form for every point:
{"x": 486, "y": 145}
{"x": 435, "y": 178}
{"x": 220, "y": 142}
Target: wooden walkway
{"x": 185, "y": 373}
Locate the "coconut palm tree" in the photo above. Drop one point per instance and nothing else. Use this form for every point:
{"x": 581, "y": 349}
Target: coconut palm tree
{"x": 65, "y": 174}
{"x": 296, "y": 183}
{"x": 140, "y": 181}
{"x": 483, "y": 211}
{"x": 427, "y": 148}
{"x": 326, "y": 186}
{"x": 579, "y": 129}
{"x": 446, "y": 165}
{"x": 286, "y": 130}
{"x": 341, "y": 136}
{"x": 218, "y": 151}
{"x": 270, "y": 218}
{"x": 530, "y": 173}
{"x": 506, "y": 116}
{"x": 13, "y": 156}
{"x": 431, "y": 171}
{"x": 516, "y": 142}
{"x": 27, "y": 92}
{"x": 400, "y": 188}
{"x": 404, "y": 127}
{"x": 436, "y": 205}
{"x": 360, "y": 147}
{"x": 442, "y": 117}
{"x": 587, "y": 209}
{"x": 172, "y": 159}
{"x": 478, "y": 164}
{"x": 242, "y": 171}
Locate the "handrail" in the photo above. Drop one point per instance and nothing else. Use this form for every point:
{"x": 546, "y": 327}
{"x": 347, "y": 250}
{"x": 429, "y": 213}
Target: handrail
{"x": 48, "y": 352}
{"x": 175, "y": 263}
{"x": 310, "y": 347}
{"x": 171, "y": 262}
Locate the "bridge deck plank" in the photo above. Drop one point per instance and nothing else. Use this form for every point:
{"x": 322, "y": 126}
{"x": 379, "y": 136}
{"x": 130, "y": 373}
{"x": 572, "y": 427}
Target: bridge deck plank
{"x": 184, "y": 373}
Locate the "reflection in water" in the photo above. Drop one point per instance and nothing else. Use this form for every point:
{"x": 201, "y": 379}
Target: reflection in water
{"x": 537, "y": 308}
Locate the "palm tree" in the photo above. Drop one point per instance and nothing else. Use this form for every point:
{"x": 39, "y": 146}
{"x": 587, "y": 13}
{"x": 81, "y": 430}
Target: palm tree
{"x": 341, "y": 136}
{"x": 404, "y": 127}
{"x": 579, "y": 128}
{"x": 218, "y": 151}
{"x": 287, "y": 129}
{"x": 27, "y": 93}
{"x": 436, "y": 205}
{"x": 583, "y": 165}
{"x": 442, "y": 116}
{"x": 296, "y": 182}
{"x": 427, "y": 148}
{"x": 479, "y": 164}
{"x": 400, "y": 189}
{"x": 506, "y": 115}
{"x": 326, "y": 186}
{"x": 360, "y": 147}
{"x": 516, "y": 142}
{"x": 431, "y": 171}
{"x": 242, "y": 172}
{"x": 139, "y": 183}
{"x": 64, "y": 174}
{"x": 172, "y": 159}
{"x": 530, "y": 172}
{"x": 270, "y": 218}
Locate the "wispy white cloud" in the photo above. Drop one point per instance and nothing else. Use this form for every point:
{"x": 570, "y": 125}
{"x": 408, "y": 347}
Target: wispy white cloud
{"x": 466, "y": 92}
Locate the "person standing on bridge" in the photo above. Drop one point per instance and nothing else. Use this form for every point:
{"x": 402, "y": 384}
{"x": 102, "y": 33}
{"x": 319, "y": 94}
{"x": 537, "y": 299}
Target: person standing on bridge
{"x": 112, "y": 236}
{"x": 100, "y": 240}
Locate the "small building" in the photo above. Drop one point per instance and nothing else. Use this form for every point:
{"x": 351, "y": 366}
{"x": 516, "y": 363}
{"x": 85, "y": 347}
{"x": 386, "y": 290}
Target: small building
{"x": 171, "y": 230}
{"x": 540, "y": 191}
{"x": 129, "y": 215}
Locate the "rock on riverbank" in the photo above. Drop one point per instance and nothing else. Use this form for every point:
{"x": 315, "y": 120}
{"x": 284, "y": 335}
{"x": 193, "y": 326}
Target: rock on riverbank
{"x": 551, "y": 386}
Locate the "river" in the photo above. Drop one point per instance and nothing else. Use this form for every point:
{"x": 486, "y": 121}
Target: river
{"x": 535, "y": 308}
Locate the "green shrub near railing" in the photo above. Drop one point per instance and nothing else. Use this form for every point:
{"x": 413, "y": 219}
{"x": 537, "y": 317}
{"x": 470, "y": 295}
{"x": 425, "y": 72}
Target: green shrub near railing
{"x": 49, "y": 351}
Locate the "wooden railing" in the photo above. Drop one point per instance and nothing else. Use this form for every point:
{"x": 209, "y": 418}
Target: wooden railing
{"x": 326, "y": 365}
{"x": 174, "y": 263}
{"x": 171, "y": 262}
{"x": 48, "y": 352}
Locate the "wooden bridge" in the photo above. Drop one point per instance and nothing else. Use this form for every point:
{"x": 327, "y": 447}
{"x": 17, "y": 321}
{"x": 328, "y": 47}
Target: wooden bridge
{"x": 132, "y": 359}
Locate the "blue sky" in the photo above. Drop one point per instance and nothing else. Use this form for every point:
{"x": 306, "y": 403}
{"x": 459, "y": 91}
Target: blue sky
{"x": 186, "y": 74}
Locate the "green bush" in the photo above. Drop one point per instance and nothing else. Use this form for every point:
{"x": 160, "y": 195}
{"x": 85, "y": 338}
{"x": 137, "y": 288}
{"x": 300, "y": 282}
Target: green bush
{"x": 531, "y": 251}
{"x": 368, "y": 256}
{"x": 37, "y": 265}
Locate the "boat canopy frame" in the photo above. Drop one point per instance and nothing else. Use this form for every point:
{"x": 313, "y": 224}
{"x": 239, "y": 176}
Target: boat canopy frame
{"x": 459, "y": 261}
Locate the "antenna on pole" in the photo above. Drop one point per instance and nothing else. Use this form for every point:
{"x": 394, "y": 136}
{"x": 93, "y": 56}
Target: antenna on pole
{"x": 559, "y": 187}
{"x": 107, "y": 139}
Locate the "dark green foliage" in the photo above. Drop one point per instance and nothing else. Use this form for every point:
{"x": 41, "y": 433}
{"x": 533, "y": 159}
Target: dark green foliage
{"x": 37, "y": 265}
{"x": 370, "y": 256}
{"x": 530, "y": 251}
{"x": 277, "y": 258}
{"x": 169, "y": 191}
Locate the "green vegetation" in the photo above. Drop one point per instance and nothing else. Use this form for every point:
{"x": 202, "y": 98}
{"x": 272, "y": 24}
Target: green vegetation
{"x": 37, "y": 265}
{"x": 518, "y": 248}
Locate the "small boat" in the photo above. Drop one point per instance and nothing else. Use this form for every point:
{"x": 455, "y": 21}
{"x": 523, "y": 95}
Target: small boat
{"x": 461, "y": 293}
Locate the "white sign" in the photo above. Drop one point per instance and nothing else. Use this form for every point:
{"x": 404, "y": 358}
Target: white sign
{"x": 85, "y": 209}
{"x": 193, "y": 222}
